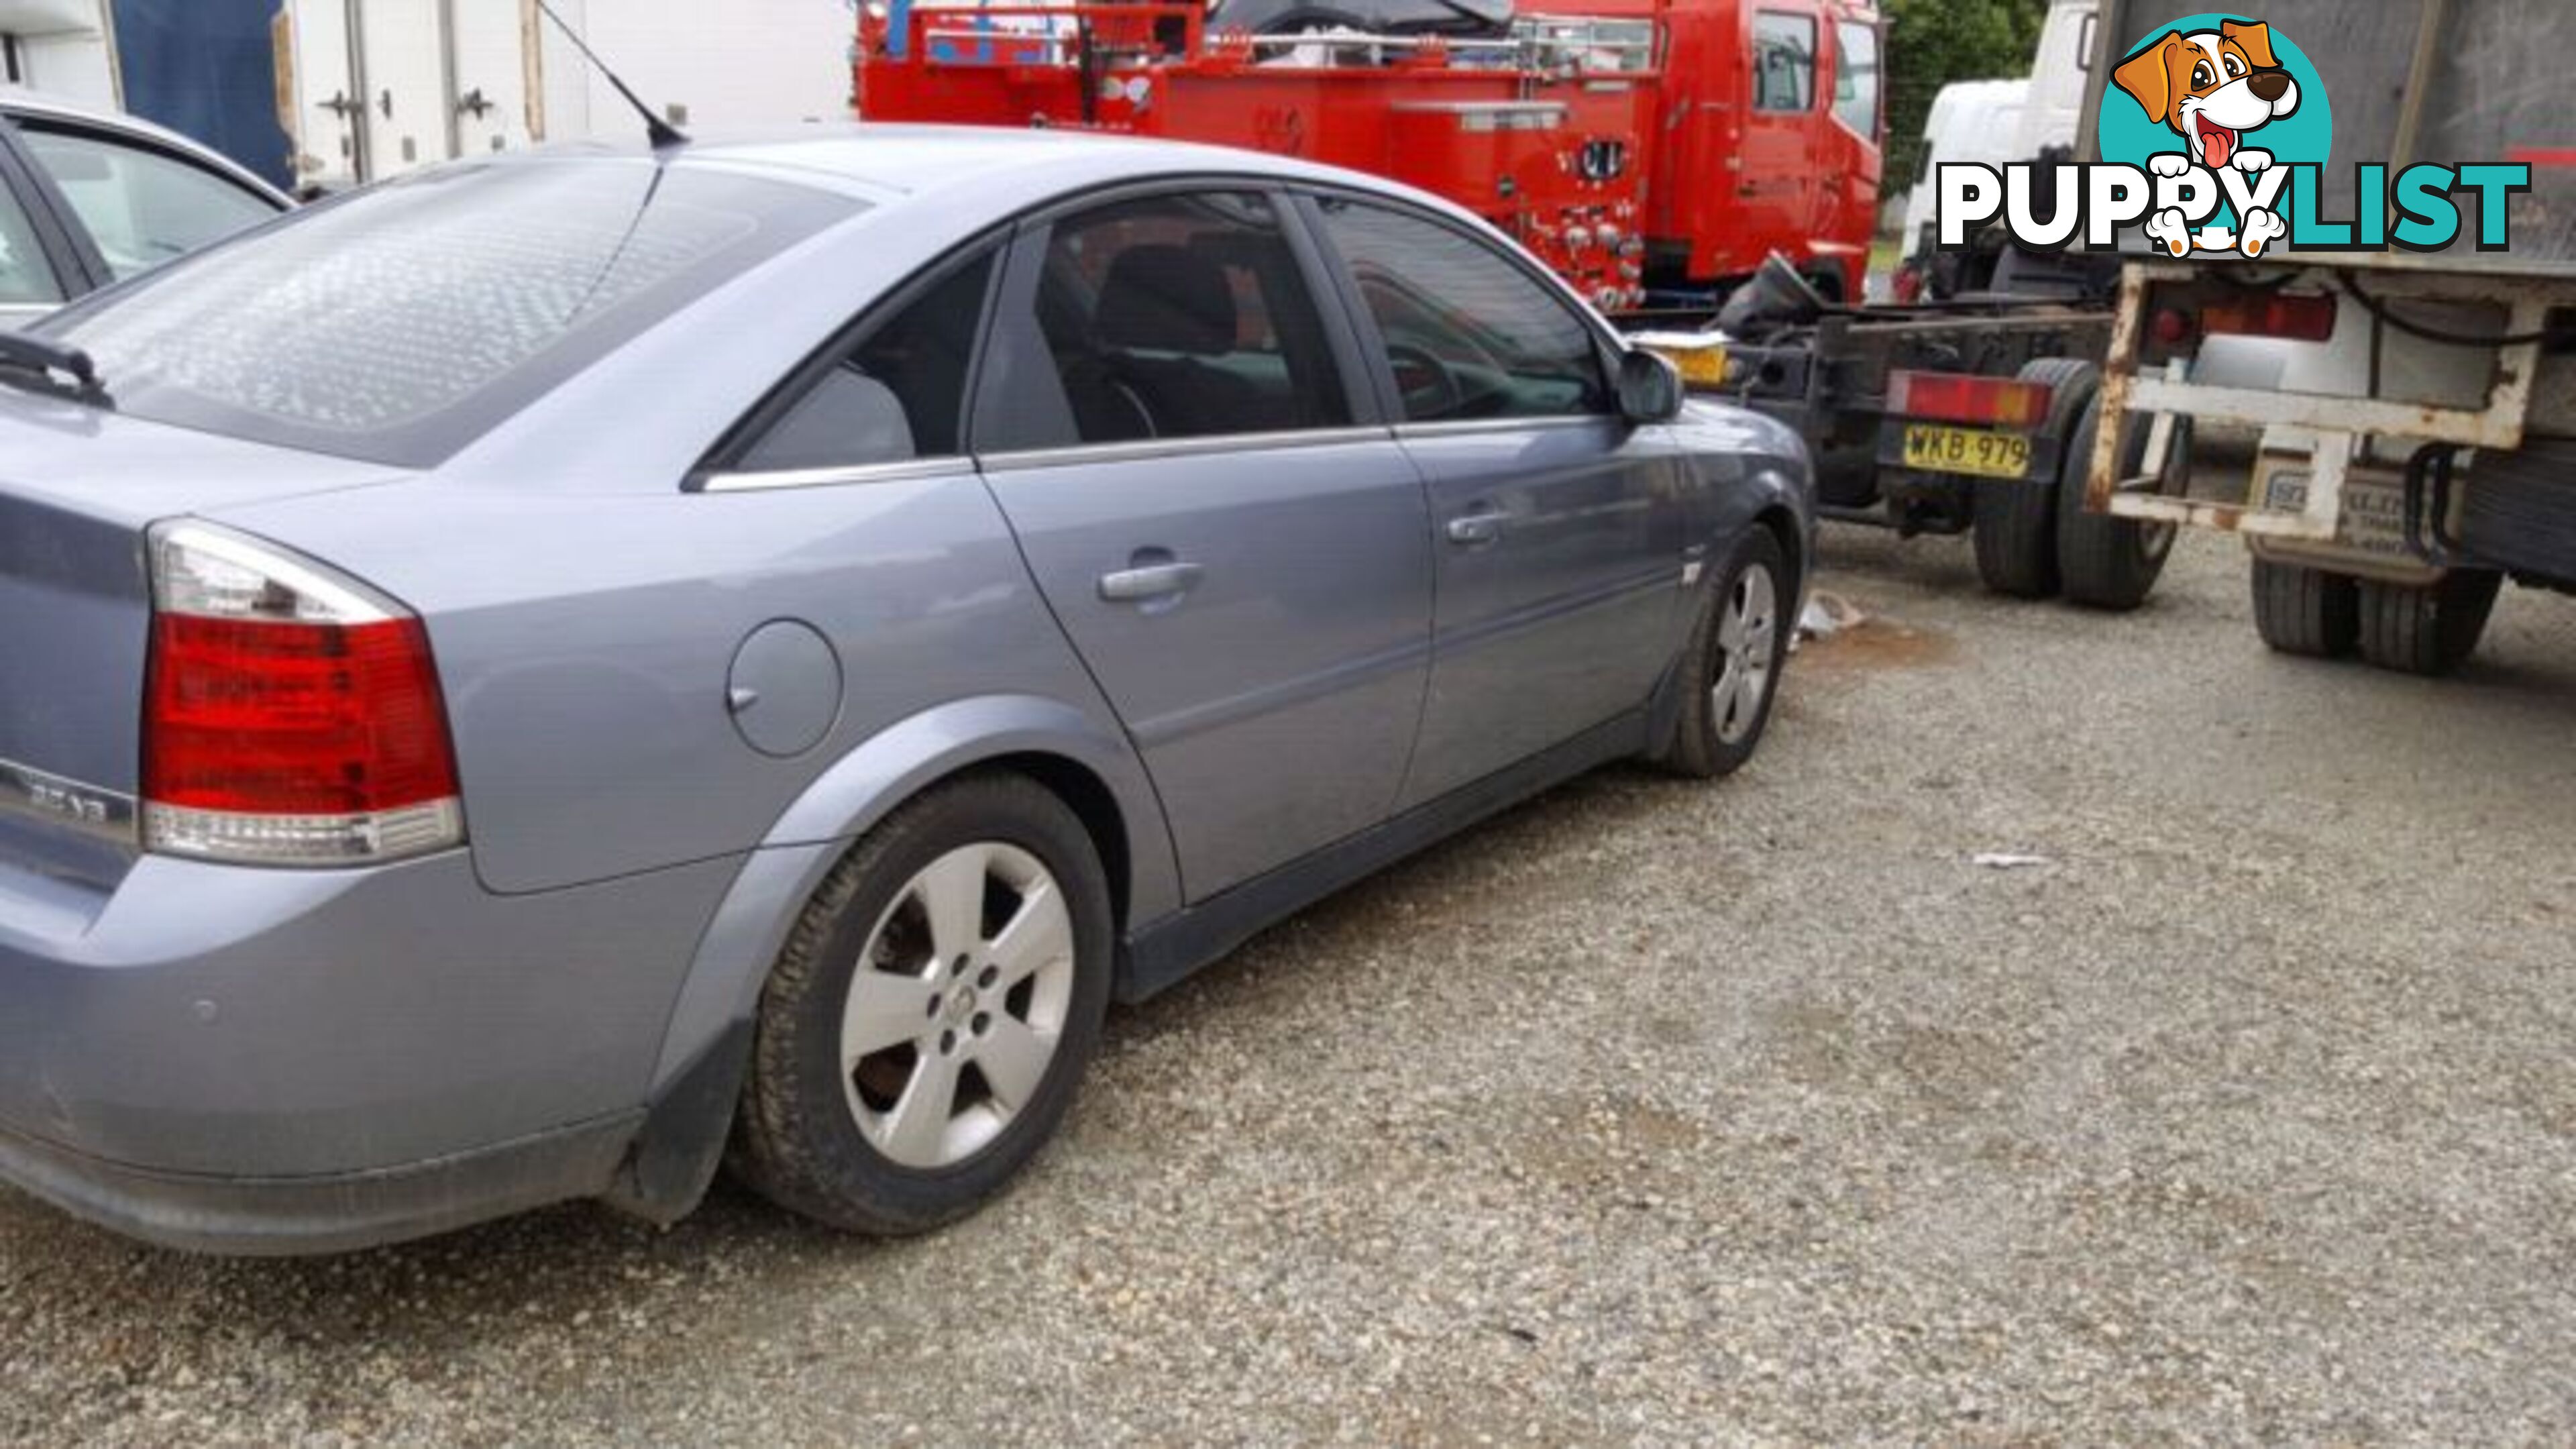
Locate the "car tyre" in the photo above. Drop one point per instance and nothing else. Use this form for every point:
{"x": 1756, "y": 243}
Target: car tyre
{"x": 2014, "y": 526}
{"x": 923, "y": 1033}
{"x": 2430, "y": 630}
{"x": 1733, "y": 661}
{"x": 2305, "y": 611}
{"x": 2105, "y": 562}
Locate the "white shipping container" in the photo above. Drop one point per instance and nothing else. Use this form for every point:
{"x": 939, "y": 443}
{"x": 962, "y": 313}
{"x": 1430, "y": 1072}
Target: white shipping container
{"x": 373, "y": 88}
{"x": 60, "y": 47}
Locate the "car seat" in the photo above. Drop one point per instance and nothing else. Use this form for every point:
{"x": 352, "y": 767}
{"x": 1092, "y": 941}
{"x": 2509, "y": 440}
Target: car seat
{"x": 1162, "y": 310}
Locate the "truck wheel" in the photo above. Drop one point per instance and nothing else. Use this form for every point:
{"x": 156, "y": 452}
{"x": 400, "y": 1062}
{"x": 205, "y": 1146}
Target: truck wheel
{"x": 2428, "y": 630}
{"x": 2016, "y": 536}
{"x": 2306, "y": 611}
{"x": 2106, "y": 562}
{"x": 2016, "y": 519}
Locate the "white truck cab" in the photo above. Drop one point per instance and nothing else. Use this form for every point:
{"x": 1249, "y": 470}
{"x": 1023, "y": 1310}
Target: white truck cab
{"x": 2059, "y": 65}
{"x": 1976, "y": 121}
{"x": 1996, "y": 122}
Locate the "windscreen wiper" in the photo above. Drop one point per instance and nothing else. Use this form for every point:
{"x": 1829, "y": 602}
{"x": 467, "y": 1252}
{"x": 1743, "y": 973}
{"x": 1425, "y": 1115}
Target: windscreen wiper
{"x": 36, "y": 363}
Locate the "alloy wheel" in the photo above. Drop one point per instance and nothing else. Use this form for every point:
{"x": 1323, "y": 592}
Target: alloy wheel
{"x": 1747, "y": 628}
{"x": 957, "y": 1005}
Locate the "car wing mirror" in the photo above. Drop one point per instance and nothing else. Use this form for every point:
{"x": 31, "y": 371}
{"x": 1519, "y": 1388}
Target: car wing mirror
{"x": 1650, "y": 387}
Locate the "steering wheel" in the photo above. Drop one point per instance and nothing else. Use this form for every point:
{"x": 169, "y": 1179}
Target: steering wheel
{"x": 1429, "y": 388}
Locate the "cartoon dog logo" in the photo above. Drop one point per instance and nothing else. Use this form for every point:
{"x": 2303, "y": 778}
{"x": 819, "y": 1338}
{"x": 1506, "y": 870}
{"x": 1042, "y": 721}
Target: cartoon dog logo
{"x": 2211, "y": 87}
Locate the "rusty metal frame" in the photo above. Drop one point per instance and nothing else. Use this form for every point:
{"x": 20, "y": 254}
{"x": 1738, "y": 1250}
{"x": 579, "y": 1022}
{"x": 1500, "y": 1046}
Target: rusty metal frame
{"x": 2340, "y": 423}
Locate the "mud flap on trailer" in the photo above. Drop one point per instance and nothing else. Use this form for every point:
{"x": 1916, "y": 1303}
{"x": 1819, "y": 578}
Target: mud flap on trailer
{"x": 2512, "y": 511}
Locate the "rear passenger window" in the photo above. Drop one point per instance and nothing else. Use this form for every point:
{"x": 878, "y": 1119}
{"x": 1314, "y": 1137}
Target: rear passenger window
{"x": 26, "y": 278}
{"x": 899, "y": 395}
{"x": 1171, "y": 317}
{"x": 1784, "y": 62}
{"x": 1468, "y": 333}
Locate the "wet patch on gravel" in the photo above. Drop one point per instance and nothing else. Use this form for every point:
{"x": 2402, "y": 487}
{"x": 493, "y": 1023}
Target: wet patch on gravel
{"x": 1876, "y": 643}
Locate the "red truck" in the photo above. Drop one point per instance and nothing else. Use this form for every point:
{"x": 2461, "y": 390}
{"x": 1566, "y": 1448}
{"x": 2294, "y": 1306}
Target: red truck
{"x": 1652, "y": 151}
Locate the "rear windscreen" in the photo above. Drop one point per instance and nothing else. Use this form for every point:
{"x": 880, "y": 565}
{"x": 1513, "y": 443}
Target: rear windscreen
{"x": 404, "y": 322}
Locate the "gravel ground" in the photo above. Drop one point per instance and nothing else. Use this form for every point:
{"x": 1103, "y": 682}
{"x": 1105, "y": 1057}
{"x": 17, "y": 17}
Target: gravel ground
{"x": 1661, "y": 1112}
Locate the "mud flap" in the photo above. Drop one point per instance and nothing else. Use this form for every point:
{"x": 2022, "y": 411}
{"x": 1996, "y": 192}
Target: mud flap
{"x": 676, "y": 1152}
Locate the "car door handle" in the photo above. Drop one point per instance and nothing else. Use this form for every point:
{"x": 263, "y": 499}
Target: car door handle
{"x": 1475, "y": 530}
{"x": 1153, "y": 581}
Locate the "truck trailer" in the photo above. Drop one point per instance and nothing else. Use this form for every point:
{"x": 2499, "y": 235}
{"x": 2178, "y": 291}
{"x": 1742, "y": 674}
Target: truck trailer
{"x": 2421, "y": 449}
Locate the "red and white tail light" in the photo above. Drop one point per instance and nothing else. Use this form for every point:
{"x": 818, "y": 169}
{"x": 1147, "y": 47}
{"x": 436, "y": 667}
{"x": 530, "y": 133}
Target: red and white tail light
{"x": 1960, "y": 397}
{"x": 292, "y": 715}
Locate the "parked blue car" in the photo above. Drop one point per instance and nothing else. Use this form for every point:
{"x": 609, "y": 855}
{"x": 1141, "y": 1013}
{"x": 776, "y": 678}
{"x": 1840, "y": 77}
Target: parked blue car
{"x": 532, "y": 680}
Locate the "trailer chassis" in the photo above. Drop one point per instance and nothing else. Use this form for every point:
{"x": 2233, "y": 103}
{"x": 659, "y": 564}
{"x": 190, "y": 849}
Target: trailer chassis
{"x": 2340, "y": 425}
{"x": 1830, "y": 381}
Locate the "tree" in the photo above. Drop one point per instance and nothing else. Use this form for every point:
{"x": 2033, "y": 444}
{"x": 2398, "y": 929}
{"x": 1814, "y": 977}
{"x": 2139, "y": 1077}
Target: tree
{"x": 1931, "y": 43}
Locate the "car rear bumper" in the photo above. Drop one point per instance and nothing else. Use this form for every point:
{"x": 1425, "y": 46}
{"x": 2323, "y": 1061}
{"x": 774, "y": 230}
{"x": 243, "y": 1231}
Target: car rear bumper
{"x": 277, "y": 1216}
{"x": 280, "y": 1061}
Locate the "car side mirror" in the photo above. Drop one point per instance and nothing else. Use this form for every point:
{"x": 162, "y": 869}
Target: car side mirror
{"x": 1650, "y": 387}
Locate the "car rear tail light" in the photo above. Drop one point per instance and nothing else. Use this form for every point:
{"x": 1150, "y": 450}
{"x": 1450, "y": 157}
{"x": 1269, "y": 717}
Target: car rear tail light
{"x": 292, "y": 715}
{"x": 1954, "y": 397}
{"x": 2294, "y": 319}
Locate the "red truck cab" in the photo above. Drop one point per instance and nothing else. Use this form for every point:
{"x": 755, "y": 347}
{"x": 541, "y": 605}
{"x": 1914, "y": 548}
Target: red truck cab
{"x": 1774, "y": 115}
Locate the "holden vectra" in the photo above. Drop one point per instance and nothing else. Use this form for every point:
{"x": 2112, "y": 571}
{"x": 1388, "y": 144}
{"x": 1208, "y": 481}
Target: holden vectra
{"x": 540, "y": 679}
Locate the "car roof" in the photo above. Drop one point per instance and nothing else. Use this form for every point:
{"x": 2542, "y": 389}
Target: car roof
{"x": 887, "y": 161}
{"x": 915, "y": 157}
{"x": 18, "y": 103}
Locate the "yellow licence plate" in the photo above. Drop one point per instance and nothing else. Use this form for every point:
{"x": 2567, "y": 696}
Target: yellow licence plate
{"x": 1701, "y": 363}
{"x": 1700, "y": 366}
{"x": 1966, "y": 450}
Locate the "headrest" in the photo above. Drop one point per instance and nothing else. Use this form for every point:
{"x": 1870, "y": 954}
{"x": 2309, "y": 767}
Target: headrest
{"x": 1164, "y": 298}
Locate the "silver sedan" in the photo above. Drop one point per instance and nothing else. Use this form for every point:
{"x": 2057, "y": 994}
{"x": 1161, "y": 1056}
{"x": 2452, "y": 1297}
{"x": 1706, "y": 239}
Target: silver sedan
{"x": 530, "y": 680}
